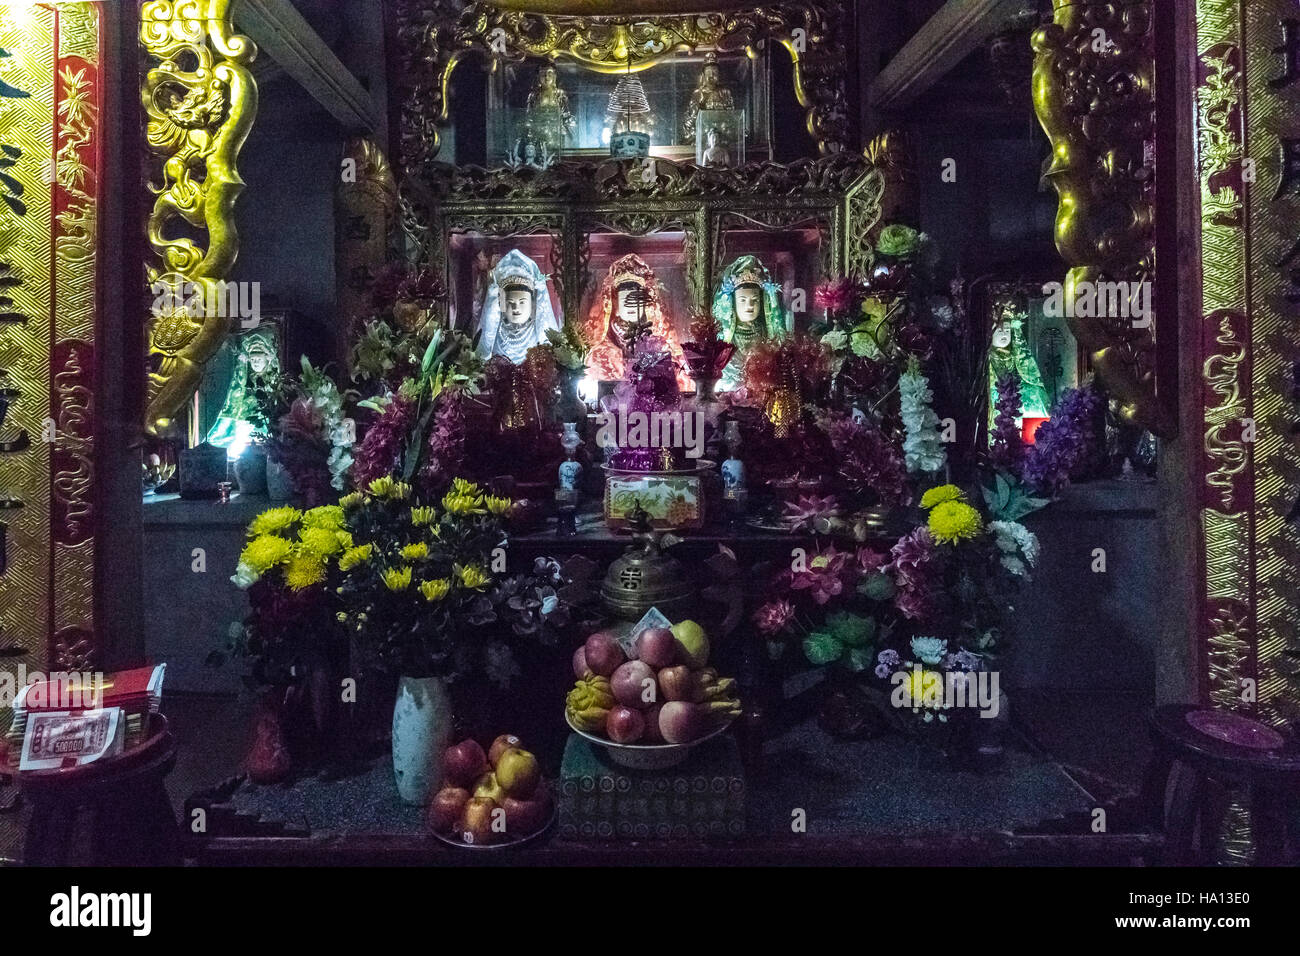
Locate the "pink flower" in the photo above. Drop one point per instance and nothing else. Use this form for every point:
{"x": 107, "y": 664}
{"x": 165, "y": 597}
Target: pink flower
{"x": 917, "y": 573}
{"x": 771, "y": 619}
{"x": 812, "y": 513}
{"x": 824, "y": 576}
{"x": 836, "y": 295}
{"x": 870, "y": 560}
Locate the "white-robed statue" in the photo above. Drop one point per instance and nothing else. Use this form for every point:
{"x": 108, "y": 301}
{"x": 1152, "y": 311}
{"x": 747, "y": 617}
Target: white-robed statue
{"x": 516, "y": 310}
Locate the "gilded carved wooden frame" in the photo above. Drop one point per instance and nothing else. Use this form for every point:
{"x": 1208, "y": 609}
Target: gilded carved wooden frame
{"x": 847, "y": 195}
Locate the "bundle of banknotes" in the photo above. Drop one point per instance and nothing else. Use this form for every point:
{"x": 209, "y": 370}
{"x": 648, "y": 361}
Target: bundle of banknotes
{"x": 59, "y": 739}
{"x": 73, "y": 719}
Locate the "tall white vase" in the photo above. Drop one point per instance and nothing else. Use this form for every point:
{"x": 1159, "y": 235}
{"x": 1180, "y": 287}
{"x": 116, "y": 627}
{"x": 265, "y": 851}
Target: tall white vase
{"x": 421, "y": 732}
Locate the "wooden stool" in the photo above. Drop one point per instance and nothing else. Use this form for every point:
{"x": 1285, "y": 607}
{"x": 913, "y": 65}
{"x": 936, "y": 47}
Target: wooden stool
{"x": 1199, "y": 746}
{"x": 113, "y": 812}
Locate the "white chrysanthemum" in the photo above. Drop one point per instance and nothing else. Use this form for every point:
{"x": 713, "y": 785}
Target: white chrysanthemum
{"x": 1012, "y": 536}
{"x": 244, "y": 577}
{"x": 1014, "y": 565}
{"x": 929, "y": 650}
{"x": 922, "y": 448}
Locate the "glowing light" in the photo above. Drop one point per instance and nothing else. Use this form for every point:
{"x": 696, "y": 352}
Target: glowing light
{"x": 589, "y": 389}
{"x": 1029, "y": 427}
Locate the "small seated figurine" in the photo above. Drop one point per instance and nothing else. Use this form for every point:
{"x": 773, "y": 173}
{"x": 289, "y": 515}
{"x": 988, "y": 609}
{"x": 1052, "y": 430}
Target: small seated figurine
{"x": 716, "y": 156}
{"x": 749, "y": 309}
{"x": 516, "y": 311}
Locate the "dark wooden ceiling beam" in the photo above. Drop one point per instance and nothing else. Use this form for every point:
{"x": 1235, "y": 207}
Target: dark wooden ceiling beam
{"x": 947, "y": 38}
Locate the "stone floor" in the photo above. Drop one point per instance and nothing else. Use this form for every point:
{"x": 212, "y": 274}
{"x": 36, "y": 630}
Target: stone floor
{"x": 1093, "y": 737}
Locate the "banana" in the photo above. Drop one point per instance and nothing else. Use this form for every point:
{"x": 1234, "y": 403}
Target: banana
{"x": 589, "y": 703}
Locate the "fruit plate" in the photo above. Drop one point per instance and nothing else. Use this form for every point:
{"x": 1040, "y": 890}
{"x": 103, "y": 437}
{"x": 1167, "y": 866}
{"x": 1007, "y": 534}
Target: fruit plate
{"x": 452, "y": 840}
{"x": 648, "y": 756}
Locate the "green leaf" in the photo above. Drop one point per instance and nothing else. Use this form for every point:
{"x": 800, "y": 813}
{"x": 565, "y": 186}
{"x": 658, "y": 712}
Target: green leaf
{"x": 820, "y": 648}
{"x": 858, "y": 659}
{"x": 431, "y": 352}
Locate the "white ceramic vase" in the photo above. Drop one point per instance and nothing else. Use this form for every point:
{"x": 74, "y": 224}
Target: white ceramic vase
{"x": 421, "y": 732}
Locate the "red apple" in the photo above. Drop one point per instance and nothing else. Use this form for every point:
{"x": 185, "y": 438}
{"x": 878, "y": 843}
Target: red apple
{"x": 464, "y": 763}
{"x": 652, "y": 735}
{"x": 501, "y": 745}
{"x": 634, "y": 685}
{"x": 475, "y": 824}
{"x": 580, "y": 668}
{"x": 624, "y": 725}
{"x": 678, "y": 683}
{"x": 603, "y": 653}
{"x": 657, "y": 647}
{"x": 518, "y": 773}
{"x": 446, "y": 807}
{"x": 527, "y": 816}
{"x": 681, "y": 722}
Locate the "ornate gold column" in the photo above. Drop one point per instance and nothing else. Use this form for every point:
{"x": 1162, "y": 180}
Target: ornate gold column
{"x": 51, "y": 90}
{"x": 200, "y": 100}
{"x": 1248, "y": 161}
{"x": 1093, "y": 87}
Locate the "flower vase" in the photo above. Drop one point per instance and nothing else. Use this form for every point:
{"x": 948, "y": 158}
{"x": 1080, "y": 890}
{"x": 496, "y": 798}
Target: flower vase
{"x": 422, "y": 721}
{"x": 269, "y": 761}
{"x": 250, "y": 471}
{"x": 279, "y": 483}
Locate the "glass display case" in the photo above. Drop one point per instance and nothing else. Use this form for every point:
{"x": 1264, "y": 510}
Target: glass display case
{"x": 540, "y": 111}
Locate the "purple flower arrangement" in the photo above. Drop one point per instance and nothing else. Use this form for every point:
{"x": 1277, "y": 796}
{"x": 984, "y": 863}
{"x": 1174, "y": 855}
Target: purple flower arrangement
{"x": 1065, "y": 443}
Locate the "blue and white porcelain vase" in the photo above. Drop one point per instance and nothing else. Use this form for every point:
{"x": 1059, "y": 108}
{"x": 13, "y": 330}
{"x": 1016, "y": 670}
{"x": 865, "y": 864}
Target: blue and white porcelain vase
{"x": 422, "y": 724}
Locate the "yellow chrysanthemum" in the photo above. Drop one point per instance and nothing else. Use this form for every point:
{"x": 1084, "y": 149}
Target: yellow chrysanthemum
{"x": 329, "y": 517}
{"x": 303, "y": 571}
{"x": 423, "y": 516}
{"x": 462, "y": 504}
{"x": 498, "y": 506}
{"x": 344, "y": 537}
{"x": 435, "y": 590}
{"x": 400, "y": 491}
{"x": 925, "y": 684}
{"x": 273, "y": 520}
{"x": 351, "y": 500}
{"x": 381, "y": 487}
{"x": 354, "y": 556}
{"x": 953, "y": 521}
{"x": 265, "y": 551}
{"x": 396, "y": 580}
{"x": 940, "y": 494}
{"x": 415, "y": 552}
{"x": 320, "y": 541}
{"x": 461, "y": 486}
{"x": 473, "y": 576}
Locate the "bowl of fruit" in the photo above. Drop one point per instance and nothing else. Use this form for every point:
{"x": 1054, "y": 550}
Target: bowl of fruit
{"x": 649, "y": 707}
{"x": 490, "y": 799}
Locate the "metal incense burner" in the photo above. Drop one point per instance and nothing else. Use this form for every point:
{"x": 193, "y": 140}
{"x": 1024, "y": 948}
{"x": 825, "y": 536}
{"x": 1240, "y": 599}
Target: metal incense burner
{"x": 644, "y": 577}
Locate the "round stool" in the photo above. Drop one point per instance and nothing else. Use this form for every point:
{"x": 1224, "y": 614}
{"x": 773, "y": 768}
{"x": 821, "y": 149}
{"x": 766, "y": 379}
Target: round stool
{"x": 113, "y": 812}
{"x": 1196, "y": 747}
